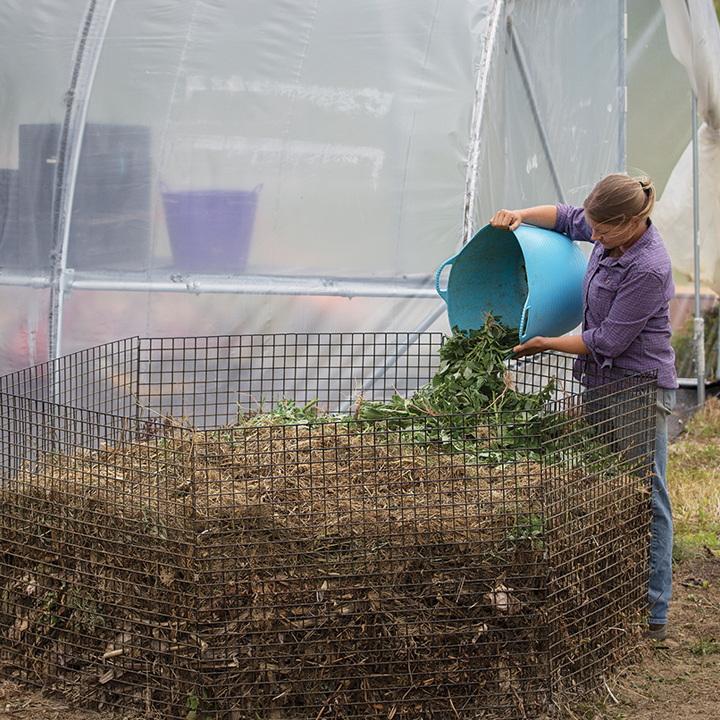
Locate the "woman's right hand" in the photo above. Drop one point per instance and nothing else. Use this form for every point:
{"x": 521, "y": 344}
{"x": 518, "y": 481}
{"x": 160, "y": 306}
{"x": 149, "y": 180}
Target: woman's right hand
{"x": 506, "y": 219}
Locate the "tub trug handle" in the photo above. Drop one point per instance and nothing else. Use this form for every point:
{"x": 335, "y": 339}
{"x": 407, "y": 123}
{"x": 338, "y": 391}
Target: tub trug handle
{"x": 442, "y": 293}
{"x": 523, "y": 322}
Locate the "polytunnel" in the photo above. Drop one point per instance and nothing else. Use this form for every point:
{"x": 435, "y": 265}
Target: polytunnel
{"x": 195, "y": 167}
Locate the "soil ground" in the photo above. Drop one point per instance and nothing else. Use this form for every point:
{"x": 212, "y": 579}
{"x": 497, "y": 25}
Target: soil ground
{"x": 679, "y": 678}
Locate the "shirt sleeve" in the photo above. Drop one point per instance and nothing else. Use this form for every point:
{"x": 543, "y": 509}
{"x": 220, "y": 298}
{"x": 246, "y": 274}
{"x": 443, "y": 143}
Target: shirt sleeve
{"x": 571, "y": 222}
{"x": 638, "y": 299}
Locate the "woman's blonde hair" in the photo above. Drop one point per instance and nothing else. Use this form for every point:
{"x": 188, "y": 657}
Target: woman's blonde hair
{"x": 618, "y": 198}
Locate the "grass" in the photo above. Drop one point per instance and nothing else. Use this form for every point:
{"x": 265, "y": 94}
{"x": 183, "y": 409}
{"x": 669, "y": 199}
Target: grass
{"x": 694, "y": 484}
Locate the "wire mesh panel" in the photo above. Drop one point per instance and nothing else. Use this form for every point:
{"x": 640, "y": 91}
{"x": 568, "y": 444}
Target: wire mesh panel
{"x": 87, "y": 537}
{"x": 357, "y": 571}
{"x": 597, "y": 454}
{"x": 213, "y": 380}
{"x": 36, "y": 401}
{"x": 102, "y": 378}
{"x": 466, "y": 566}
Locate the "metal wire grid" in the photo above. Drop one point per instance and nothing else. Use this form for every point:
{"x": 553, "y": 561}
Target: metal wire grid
{"x": 42, "y": 406}
{"x": 372, "y": 595}
{"x": 212, "y": 380}
{"x": 598, "y": 454}
{"x": 293, "y": 571}
{"x": 102, "y": 378}
{"x": 168, "y": 590}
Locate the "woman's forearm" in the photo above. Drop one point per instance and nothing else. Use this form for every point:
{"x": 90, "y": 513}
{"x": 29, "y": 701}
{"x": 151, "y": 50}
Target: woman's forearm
{"x": 571, "y": 344}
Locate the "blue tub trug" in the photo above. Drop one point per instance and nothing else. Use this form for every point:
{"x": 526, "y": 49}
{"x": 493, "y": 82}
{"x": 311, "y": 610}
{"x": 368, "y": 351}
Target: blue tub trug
{"x": 530, "y": 278}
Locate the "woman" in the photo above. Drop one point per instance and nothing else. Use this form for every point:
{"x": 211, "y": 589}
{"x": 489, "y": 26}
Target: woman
{"x": 626, "y": 325}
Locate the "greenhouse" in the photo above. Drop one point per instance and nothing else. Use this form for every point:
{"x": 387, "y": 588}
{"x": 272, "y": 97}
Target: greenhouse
{"x": 248, "y": 468}
{"x": 173, "y": 169}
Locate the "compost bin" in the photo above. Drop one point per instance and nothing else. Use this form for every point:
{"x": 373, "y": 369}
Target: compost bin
{"x": 204, "y": 528}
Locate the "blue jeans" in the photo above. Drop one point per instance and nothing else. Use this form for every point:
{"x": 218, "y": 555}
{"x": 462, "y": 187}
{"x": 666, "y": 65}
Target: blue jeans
{"x": 661, "y": 525}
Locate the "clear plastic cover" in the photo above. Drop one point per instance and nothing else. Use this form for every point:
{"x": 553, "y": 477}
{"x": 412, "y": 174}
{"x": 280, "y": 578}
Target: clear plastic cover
{"x": 658, "y": 117}
{"x": 280, "y": 166}
{"x": 694, "y": 37}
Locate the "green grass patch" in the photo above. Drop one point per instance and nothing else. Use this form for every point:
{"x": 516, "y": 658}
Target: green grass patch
{"x": 711, "y": 647}
{"x": 694, "y": 485}
{"x": 705, "y": 425}
{"x": 693, "y": 544}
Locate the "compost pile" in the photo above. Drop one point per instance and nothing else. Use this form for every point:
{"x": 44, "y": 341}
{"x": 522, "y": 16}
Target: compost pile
{"x": 471, "y": 378}
{"x": 377, "y": 564}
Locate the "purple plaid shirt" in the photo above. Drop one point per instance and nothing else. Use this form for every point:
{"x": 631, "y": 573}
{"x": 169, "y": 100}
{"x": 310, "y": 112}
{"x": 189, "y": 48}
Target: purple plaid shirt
{"x": 626, "y": 312}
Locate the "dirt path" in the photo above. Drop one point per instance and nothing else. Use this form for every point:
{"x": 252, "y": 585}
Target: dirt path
{"x": 678, "y": 679}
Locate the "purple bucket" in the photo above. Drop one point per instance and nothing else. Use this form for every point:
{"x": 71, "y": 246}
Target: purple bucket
{"x": 210, "y": 230}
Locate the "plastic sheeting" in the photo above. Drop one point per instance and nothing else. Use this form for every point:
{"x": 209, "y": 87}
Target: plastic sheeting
{"x": 694, "y": 35}
{"x": 658, "y": 116}
{"x": 280, "y": 166}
